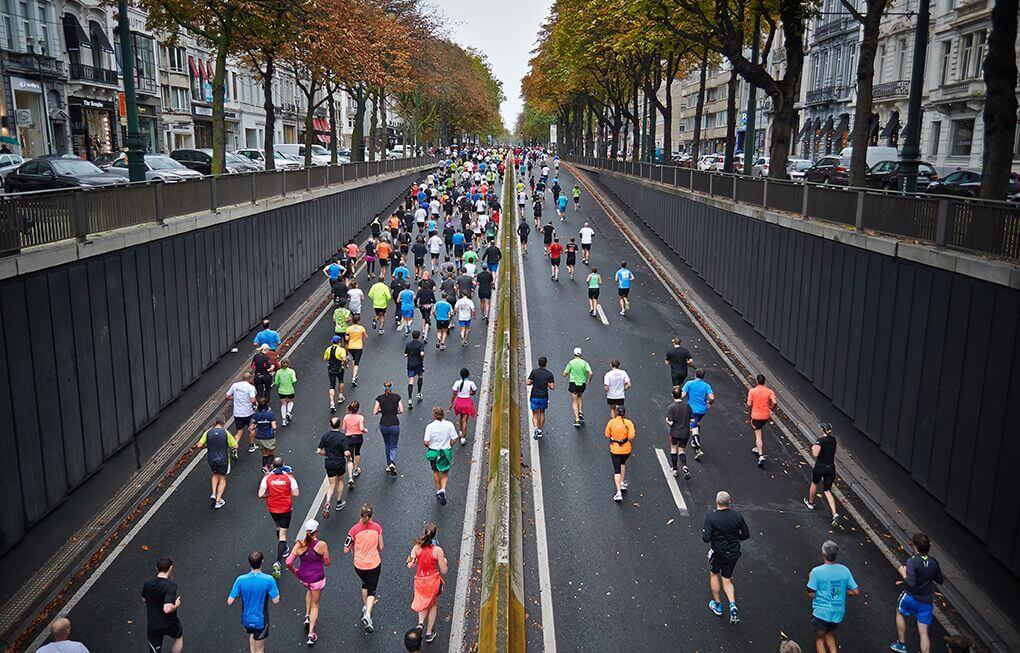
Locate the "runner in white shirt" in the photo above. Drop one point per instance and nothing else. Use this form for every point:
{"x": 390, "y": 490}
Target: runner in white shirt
{"x": 522, "y": 198}
{"x": 480, "y": 206}
{"x": 355, "y": 297}
{"x": 462, "y": 402}
{"x": 419, "y": 215}
{"x": 434, "y": 207}
{"x": 465, "y": 309}
{"x": 435, "y": 247}
{"x": 616, "y": 381}
{"x": 245, "y": 397}
{"x": 586, "y": 233}
{"x": 439, "y": 436}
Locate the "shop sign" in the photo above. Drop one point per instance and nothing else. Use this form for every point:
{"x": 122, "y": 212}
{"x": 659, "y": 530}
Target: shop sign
{"x": 24, "y": 116}
{"x": 203, "y": 111}
{"x": 22, "y": 84}
{"x": 94, "y": 104}
{"x": 207, "y": 112}
{"x": 180, "y": 127}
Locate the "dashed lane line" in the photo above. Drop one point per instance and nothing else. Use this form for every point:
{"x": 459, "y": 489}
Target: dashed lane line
{"x": 674, "y": 488}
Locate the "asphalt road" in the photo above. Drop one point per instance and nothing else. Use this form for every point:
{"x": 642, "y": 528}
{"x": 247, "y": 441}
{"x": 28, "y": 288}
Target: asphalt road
{"x": 210, "y": 548}
{"x": 633, "y": 576}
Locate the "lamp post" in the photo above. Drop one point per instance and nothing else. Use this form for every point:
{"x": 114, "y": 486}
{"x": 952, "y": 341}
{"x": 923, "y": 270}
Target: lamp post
{"x": 911, "y": 141}
{"x": 750, "y": 134}
{"x": 136, "y": 164}
{"x": 42, "y": 90}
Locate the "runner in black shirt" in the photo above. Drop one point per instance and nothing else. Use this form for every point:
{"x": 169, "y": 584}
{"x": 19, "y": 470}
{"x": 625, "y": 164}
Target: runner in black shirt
{"x": 678, "y": 417}
{"x": 571, "y": 250}
{"x": 678, "y": 358}
{"x": 548, "y": 231}
{"x": 724, "y": 529}
{"x": 425, "y": 300}
{"x": 484, "y": 282}
{"x": 418, "y": 249}
{"x": 161, "y": 603}
{"x": 333, "y": 447}
{"x": 541, "y": 381}
{"x": 388, "y": 406}
{"x": 414, "y": 352}
{"x": 824, "y": 473}
{"x": 523, "y": 231}
{"x": 536, "y": 208}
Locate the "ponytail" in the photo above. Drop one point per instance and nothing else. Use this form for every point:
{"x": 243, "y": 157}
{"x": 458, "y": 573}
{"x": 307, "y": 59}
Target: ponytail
{"x": 366, "y": 513}
{"x": 428, "y": 536}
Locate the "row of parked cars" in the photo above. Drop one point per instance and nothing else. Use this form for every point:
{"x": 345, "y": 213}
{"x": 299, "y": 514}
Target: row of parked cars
{"x": 885, "y": 171}
{"x": 55, "y": 171}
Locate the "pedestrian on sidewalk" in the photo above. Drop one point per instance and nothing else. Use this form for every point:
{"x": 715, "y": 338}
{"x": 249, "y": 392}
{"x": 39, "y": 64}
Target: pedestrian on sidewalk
{"x": 699, "y": 396}
{"x": 244, "y": 398}
{"x": 620, "y": 432}
{"x": 161, "y": 604}
{"x": 60, "y": 638}
{"x": 462, "y": 401}
{"x": 678, "y": 418}
{"x": 255, "y": 589}
{"x": 335, "y": 357}
{"x": 828, "y": 586}
{"x": 823, "y": 475}
{"x": 920, "y": 575}
{"x": 429, "y": 562}
{"x": 284, "y": 381}
{"x": 354, "y": 429}
{"x": 312, "y": 554}
{"x": 366, "y": 540}
{"x": 221, "y": 446}
{"x": 724, "y": 530}
{"x": 337, "y": 460}
{"x": 278, "y": 488}
{"x": 439, "y": 436}
{"x": 594, "y": 281}
{"x": 761, "y": 400}
{"x": 578, "y": 373}
{"x": 616, "y": 383}
{"x": 541, "y": 382}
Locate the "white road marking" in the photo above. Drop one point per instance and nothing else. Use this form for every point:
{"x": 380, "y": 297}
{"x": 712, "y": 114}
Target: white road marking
{"x": 467, "y": 539}
{"x": 674, "y": 489}
{"x": 537, "y": 493}
{"x": 151, "y": 512}
{"x": 602, "y": 315}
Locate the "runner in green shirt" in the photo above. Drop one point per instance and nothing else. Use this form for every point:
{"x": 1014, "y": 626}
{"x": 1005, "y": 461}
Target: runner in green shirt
{"x": 284, "y": 380}
{"x": 341, "y": 318}
{"x": 577, "y": 197}
{"x": 470, "y": 256}
{"x": 578, "y": 373}
{"x": 380, "y": 295}
{"x": 594, "y": 283}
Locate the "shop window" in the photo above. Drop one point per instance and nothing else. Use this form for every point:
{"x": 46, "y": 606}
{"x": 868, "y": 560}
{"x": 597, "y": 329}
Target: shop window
{"x": 962, "y": 137}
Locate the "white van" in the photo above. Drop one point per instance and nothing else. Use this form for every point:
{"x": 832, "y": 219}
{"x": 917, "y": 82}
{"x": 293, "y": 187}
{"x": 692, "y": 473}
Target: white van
{"x": 320, "y": 155}
{"x": 874, "y": 155}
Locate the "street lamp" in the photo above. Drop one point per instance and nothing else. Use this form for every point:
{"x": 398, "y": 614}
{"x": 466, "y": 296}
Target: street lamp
{"x": 912, "y": 138}
{"x": 42, "y": 89}
{"x": 136, "y": 164}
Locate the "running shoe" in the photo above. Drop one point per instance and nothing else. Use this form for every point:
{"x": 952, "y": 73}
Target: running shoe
{"x": 277, "y": 570}
{"x": 441, "y": 497}
{"x": 623, "y": 312}
{"x": 219, "y": 504}
{"x": 252, "y": 448}
{"x": 418, "y": 397}
{"x": 312, "y": 638}
{"x": 325, "y": 509}
{"x": 410, "y": 406}
{"x": 212, "y": 500}
{"x": 837, "y": 522}
{"x": 437, "y": 345}
{"x": 810, "y": 506}
{"x": 354, "y": 382}
{"x": 393, "y": 469}
{"x": 577, "y": 423}
{"x": 382, "y": 331}
{"x": 341, "y": 399}
{"x": 340, "y": 505}
{"x": 580, "y": 415}
{"x": 357, "y": 472}
{"x": 674, "y": 471}
{"x": 286, "y": 552}
{"x": 698, "y": 454}
{"x": 754, "y": 450}
{"x": 308, "y": 622}
{"x": 366, "y": 620}
{"x": 734, "y": 614}
{"x": 715, "y": 607}
{"x": 761, "y": 461}
{"x": 375, "y": 325}
{"x": 430, "y": 637}
{"x": 687, "y": 473}
{"x": 350, "y": 486}
{"x": 618, "y": 497}
{"x": 332, "y": 409}
{"x": 623, "y": 486}
{"x": 899, "y": 647}
{"x": 536, "y": 434}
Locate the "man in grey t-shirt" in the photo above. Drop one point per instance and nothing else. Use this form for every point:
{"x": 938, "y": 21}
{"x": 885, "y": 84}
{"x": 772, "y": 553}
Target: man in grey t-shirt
{"x": 60, "y": 634}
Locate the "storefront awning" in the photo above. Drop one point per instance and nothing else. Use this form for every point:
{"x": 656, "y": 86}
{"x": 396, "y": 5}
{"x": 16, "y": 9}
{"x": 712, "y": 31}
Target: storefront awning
{"x": 209, "y": 69}
{"x": 873, "y": 125}
{"x": 99, "y": 34}
{"x": 323, "y": 138}
{"x": 805, "y": 131}
{"x": 193, "y": 66}
{"x": 74, "y": 34}
{"x": 893, "y": 126}
{"x": 816, "y": 126}
{"x": 827, "y": 129}
{"x": 844, "y": 124}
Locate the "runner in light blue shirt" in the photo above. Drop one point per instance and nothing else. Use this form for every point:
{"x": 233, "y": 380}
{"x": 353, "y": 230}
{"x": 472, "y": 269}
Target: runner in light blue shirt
{"x": 699, "y": 397}
{"x": 255, "y": 589}
{"x": 623, "y": 278}
{"x": 828, "y": 586}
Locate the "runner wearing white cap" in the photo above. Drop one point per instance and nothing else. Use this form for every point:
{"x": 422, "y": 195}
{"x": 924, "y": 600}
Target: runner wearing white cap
{"x": 578, "y": 373}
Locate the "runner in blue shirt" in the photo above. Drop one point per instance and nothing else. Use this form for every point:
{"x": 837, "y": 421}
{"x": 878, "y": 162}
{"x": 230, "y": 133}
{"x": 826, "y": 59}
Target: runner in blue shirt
{"x": 699, "y": 397}
{"x": 828, "y": 586}
{"x": 267, "y": 337}
{"x": 401, "y": 272}
{"x": 332, "y": 271}
{"x": 623, "y": 278}
{"x": 458, "y": 246}
{"x": 255, "y": 589}
{"x": 561, "y": 207}
{"x": 406, "y": 301}
{"x": 443, "y": 310}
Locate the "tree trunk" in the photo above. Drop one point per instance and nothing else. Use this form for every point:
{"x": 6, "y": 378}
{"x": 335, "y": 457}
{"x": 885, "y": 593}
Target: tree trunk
{"x": 309, "y": 122}
{"x": 384, "y": 140}
{"x": 667, "y": 122}
{"x": 635, "y": 121}
{"x": 589, "y": 136}
{"x": 219, "y": 144}
{"x": 331, "y": 107}
{"x": 373, "y": 127}
{"x": 865, "y": 82}
{"x": 652, "y": 113}
{"x": 1000, "y": 69}
{"x": 699, "y": 108}
{"x": 731, "y": 122}
{"x": 270, "y": 108}
{"x": 358, "y": 133}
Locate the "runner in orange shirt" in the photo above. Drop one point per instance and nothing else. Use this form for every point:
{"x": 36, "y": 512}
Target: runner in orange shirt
{"x": 383, "y": 249}
{"x": 620, "y": 432}
{"x": 761, "y": 400}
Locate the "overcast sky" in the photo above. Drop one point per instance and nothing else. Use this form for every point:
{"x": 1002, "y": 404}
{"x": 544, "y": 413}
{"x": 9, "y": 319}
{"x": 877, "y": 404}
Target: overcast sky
{"x": 505, "y": 31}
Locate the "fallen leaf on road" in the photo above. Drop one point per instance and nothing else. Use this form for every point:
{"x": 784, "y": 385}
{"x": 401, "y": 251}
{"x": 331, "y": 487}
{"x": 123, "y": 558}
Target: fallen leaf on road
{"x": 669, "y": 522}
{"x": 146, "y": 548}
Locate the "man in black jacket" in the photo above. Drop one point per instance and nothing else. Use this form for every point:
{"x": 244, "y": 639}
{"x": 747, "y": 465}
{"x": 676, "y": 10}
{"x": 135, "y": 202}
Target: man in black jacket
{"x": 724, "y": 529}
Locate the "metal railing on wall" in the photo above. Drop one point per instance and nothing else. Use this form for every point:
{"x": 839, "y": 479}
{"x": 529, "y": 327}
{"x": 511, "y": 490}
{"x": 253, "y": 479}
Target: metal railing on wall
{"x": 40, "y": 217}
{"x": 981, "y": 226}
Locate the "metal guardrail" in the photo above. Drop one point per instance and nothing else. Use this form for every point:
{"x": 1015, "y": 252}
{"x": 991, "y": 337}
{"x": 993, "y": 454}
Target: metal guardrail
{"x": 40, "y": 217}
{"x": 980, "y": 226}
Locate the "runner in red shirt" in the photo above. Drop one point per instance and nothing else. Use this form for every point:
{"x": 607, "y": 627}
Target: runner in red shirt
{"x": 761, "y": 400}
{"x": 555, "y": 251}
{"x": 278, "y": 488}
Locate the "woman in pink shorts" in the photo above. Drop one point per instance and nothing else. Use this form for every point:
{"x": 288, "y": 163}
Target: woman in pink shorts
{"x": 462, "y": 401}
{"x": 313, "y": 555}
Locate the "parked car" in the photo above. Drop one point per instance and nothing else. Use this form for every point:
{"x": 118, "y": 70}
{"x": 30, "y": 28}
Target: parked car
{"x": 200, "y": 160}
{"x": 53, "y": 172}
{"x": 965, "y": 183}
{"x": 320, "y": 155}
{"x": 280, "y": 160}
{"x": 874, "y": 154}
{"x": 889, "y": 174}
{"x": 681, "y": 158}
{"x": 760, "y": 167}
{"x": 831, "y": 169}
{"x": 9, "y": 162}
{"x": 795, "y": 169}
{"x": 713, "y": 162}
{"x": 157, "y": 167}
{"x": 105, "y": 159}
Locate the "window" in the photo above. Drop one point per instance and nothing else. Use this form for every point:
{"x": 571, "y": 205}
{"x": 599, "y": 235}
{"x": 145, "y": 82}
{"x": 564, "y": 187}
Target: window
{"x": 901, "y": 59}
{"x": 851, "y": 64}
{"x": 177, "y": 59}
{"x": 979, "y": 53}
{"x": 963, "y": 135}
{"x": 46, "y": 44}
{"x": 233, "y": 82}
{"x": 837, "y": 66}
{"x": 816, "y": 78}
{"x": 881, "y": 64}
{"x": 966, "y": 55}
{"x": 164, "y": 92}
{"x": 944, "y": 60}
{"x": 826, "y": 77}
{"x": 933, "y": 137}
{"x": 178, "y": 98}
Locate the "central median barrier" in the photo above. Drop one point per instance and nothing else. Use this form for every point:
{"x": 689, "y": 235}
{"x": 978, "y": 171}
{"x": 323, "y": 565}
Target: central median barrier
{"x": 502, "y": 599}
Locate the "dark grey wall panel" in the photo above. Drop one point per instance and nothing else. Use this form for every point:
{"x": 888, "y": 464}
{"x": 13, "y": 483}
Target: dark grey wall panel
{"x": 92, "y": 351}
{"x": 924, "y": 361}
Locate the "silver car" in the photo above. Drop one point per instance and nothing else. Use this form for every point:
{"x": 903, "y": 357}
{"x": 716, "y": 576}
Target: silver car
{"x": 280, "y": 160}
{"x": 157, "y": 167}
{"x": 9, "y": 162}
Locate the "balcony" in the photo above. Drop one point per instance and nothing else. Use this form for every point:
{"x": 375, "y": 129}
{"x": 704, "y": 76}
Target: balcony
{"x": 836, "y": 26}
{"x": 899, "y": 88}
{"x": 968, "y": 7}
{"x": 146, "y": 85}
{"x": 825, "y": 94}
{"x": 82, "y": 73}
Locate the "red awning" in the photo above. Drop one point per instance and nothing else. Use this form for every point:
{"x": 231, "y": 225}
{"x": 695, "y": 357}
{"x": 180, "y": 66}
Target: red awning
{"x": 193, "y": 66}
{"x": 320, "y": 124}
{"x": 209, "y": 69}
{"x": 323, "y": 138}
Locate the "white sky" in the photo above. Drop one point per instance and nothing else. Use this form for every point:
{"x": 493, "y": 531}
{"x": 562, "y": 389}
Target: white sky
{"x": 505, "y": 31}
